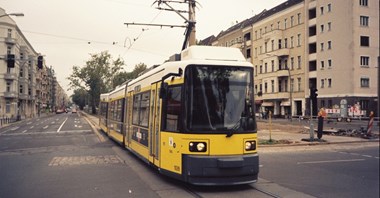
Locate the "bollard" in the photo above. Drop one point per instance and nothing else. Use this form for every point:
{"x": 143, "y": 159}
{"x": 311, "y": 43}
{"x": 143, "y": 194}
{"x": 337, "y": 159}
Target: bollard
{"x": 270, "y": 126}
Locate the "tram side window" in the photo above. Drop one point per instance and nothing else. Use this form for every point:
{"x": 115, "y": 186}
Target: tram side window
{"x": 173, "y": 109}
{"x": 103, "y": 109}
{"x": 140, "y": 114}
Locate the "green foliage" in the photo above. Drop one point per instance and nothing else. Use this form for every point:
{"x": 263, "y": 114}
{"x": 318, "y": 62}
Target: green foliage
{"x": 79, "y": 97}
{"x": 96, "y": 76}
{"x": 122, "y": 77}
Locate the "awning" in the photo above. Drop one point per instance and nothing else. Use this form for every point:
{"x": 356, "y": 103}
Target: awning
{"x": 267, "y": 104}
{"x": 285, "y": 103}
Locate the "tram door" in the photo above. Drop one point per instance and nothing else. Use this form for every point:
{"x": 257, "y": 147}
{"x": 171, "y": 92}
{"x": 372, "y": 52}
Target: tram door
{"x": 154, "y": 125}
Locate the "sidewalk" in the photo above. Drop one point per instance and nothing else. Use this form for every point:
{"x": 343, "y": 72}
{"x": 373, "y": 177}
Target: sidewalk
{"x": 283, "y": 138}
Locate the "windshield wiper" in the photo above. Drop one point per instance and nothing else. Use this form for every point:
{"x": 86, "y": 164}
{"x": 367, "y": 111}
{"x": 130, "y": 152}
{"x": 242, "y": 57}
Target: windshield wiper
{"x": 235, "y": 127}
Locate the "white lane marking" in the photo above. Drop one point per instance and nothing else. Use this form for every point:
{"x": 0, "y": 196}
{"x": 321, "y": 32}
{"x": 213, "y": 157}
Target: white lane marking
{"x": 367, "y": 156}
{"x": 59, "y": 129}
{"x": 53, "y": 122}
{"x": 31, "y": 127}
{"x": 24, "y": 131}
{"x": 330, "y": 161}
{"x": 29, "y": 123}
{"x": 45, "y": 127}
{"x": 48, "y": 132}
{"x": 15, "y": 128}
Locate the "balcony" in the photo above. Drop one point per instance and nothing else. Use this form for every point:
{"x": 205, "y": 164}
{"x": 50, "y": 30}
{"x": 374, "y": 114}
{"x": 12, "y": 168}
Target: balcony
{"x": 10, "y": 40}
{"x": 10, "y": 76}
{"x": 282, "y": 73}
{"x": 276, "y": 95}
{"x": 10, "y": 94}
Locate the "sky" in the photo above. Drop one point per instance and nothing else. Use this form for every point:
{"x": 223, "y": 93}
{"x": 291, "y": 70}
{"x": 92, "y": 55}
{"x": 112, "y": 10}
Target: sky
{"x": 67, "y": 32}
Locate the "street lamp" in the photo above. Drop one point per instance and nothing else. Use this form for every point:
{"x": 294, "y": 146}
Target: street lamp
{"x": 13, "y": 14}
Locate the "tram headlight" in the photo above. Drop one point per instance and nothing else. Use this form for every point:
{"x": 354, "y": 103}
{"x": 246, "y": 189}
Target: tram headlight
{"x": 250, "y": 145}
{"x": 197, "y": 146}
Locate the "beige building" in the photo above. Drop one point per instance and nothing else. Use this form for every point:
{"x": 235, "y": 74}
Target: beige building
{"x": 25, "y": 89}
{"x": 301, "y": 44}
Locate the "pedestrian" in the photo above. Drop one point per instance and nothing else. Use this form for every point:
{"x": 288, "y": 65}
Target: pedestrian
{"x": 320, "y": 123}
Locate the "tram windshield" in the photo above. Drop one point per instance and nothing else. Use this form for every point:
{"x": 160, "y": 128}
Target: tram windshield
{"x": 219, "y": 99}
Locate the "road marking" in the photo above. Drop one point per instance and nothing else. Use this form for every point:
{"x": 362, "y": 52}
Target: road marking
{"x": 330, "y": 161}
{"x": 29, "y": 123}
{"x": 62, "y": 125}
{"x": 53, "y": 122}
{"x": 46, "y": 132}
{"x": 31, "y": 127}
{"x": 24, "y": 131}
{"x": 45, "y": 127}
{"x": 367, "y": 156}
{"x": 15, "y": 128}
{"x": 84, "y": 160}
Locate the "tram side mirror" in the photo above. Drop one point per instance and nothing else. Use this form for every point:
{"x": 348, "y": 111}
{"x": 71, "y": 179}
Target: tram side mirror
{"x": 163, "y": 91}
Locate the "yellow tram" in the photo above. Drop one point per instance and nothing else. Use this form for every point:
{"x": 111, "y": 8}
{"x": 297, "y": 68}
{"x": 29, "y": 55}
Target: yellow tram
{"x": 192, "y": 119}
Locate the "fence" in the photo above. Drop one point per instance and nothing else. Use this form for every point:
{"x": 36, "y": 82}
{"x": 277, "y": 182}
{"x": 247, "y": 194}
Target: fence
{"x": 6, "y": 120}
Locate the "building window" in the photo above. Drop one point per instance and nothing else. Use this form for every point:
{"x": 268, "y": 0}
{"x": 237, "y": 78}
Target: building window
{"x": 261, "y": 69}
{"x": 322, "y": 28}
{"x": 272, "y": 43}
{"x": 329, "y": 7}
{"x": 255, "y": 70}
{"x": 329, "y": 63}
{"x": 291, "y": 42}
{"x": 9, "y": 49}
{"x": 8, "y": 87}
{"x": 292, "y": 63}
{"x": 291, "y": 21}
{"x": 266, "y": 67}
{"x": 322, "y": 103}
{"x": 328, "y": 44}
{"x": 329, "y": 104}
{"x": 329, "y": 82}
{"x": 329, "y": 26}
{"x": 265, "y": 47}
{"x": 21, "y": 72}
{"x": 364, "y": 61}
{"x": 322, "y": 65}
{"x": 363, "y": 2}
{"x": 285, "y": 23}
{"x": 299, "y": 84}
{"x": 279, "y": 44}
{"x": 364, "y": 41}
{"x": 322, "y": 83}
{"x": 272, "y": 86}
{"x": 9, "y": 33}
{"x": 278, "y": 25}
{"x": 265, "y": 87}
{"x": 291, "y": 84}
{"x": 21, "y": 89}
{"x": 299, "y": 62}
{"x": 7, "y": 106}
{"x": 322, "y": 46}
{"x": 299, "y": 18}
{"x": 299, "y": 40}
{"x": 249, "y": 53}
{"x": 364, "y": 82}
{"x": 321, "y": 10}
{"x": 286, "y": 42}
{"x": 255, "y": 89}
{"x": 364, "y": 21}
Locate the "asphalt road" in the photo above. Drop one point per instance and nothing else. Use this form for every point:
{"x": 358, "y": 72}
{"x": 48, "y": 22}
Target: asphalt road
{"x": 343, "y": 170}
{"x": 61, "y": 156}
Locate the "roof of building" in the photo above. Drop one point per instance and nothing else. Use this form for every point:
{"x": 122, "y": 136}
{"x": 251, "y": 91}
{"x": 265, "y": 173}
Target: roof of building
{"x": 261, "y": 16}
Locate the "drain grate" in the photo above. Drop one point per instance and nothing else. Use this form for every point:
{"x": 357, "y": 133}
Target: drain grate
{"x": 84, "y": 160}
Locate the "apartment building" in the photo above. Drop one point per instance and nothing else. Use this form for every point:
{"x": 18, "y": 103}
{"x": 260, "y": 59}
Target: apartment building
{"x": 25, "y": 87}
{"x": 330, "y": 45}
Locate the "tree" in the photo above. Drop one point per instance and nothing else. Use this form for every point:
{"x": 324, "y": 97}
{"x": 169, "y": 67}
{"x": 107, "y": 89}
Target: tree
{"x": 123, "y": 76}
{"x": 96, "y": 76}
{"x": 79, "y": 97}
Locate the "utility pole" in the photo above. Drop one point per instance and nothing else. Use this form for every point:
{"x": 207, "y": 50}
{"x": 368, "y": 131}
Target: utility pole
{"x": 190, "y": 37}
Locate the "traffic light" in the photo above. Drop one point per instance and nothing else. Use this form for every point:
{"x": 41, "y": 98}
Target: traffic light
{"x": 40, "y": 61}
{"x": 313, "y": 93}
{"x": 11, "y": 60}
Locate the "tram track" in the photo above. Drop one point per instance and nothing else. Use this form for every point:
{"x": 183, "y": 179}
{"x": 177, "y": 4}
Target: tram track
{"x": 240, "y": 191}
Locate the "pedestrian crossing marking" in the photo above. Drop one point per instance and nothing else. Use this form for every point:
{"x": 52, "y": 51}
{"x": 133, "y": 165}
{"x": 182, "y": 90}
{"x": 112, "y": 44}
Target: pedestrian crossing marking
{"x": 85, "y": 160}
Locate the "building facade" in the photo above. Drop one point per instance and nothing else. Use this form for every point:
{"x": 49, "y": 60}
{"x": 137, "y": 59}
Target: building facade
{"x": 331, "y": 46}
{"x": 26, "y": 88}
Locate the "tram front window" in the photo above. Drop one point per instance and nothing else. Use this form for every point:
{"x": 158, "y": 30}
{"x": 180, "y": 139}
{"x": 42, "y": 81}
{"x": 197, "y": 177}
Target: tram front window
{"x": 219, "y": 99}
